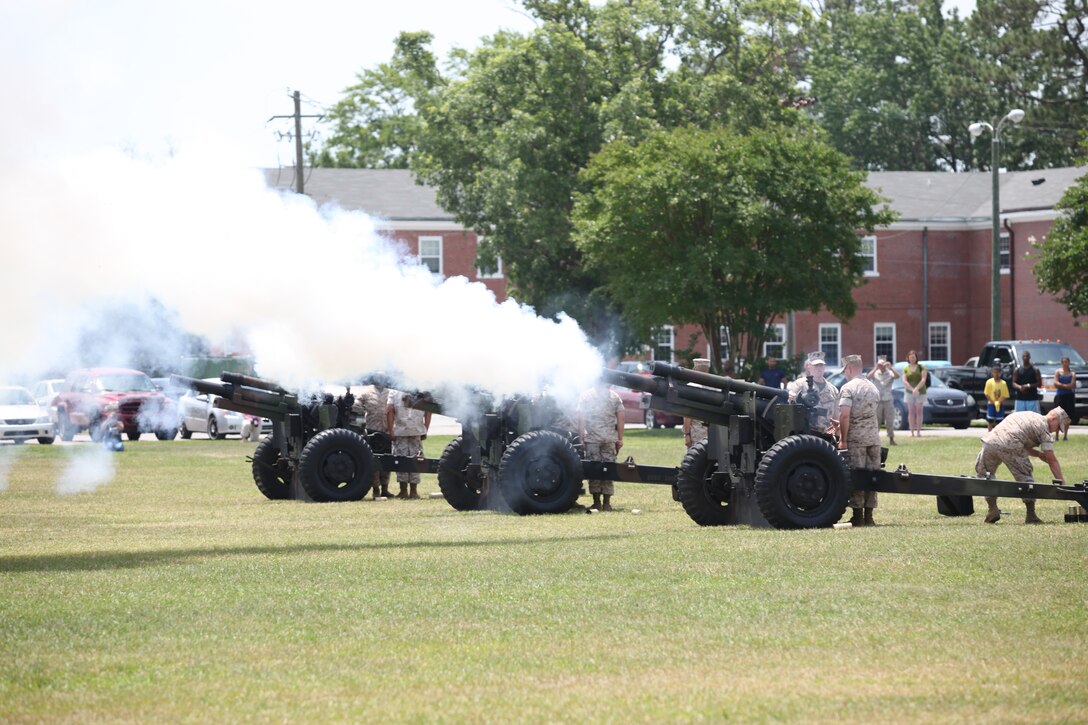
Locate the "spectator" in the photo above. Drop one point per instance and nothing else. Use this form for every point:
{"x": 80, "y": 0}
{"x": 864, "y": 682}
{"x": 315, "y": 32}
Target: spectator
{"x": 883, "y": 377}
{"x": 997, "y": 392}
{"x": 1065, "y": 382}
{"x": 772, "y": 377}
{"x": 1026, "y": 382}
{"x": 914, "y": 382}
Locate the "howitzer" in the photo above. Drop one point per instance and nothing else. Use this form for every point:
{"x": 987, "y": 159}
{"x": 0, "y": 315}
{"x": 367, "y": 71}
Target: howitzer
{"x": 519, "y": 454}
{"x": 763, "y": 463}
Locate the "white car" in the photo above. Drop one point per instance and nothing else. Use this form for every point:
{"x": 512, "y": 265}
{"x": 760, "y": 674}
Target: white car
{"x": 45, "y": 392}
{"x": 199, "y": 415}
{"x": 22, "y": 419}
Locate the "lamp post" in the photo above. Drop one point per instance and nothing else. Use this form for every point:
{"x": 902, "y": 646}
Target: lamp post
{"x": 1016, "y": 115}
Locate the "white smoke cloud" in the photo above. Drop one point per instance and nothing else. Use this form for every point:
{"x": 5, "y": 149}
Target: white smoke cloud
{"x": 87, "y": 468}
{"x": 8, "y": 454}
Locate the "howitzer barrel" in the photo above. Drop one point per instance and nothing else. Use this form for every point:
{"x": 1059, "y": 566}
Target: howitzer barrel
{"x": 720, "y": 382}
{"x": 203, "y": 386}
{"x": 252, "y": 382}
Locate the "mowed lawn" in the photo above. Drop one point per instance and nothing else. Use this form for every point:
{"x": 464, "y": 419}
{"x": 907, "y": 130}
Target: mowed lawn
{"x": 176, "y": 592}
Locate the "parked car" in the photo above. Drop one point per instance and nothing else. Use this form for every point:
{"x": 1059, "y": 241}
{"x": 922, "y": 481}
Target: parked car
{"x": 45, "y": 392}
{"x": 142, "y": 408}
{"x": 21, "y": 418}
{"x": 198, "y": 414}
{"x": 634, "y": 413}
{"x": 943, "y": 406}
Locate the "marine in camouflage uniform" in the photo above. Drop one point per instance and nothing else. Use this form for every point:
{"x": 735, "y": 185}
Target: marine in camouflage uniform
{"x": 600, "y": 416}
{"x": 827, "y": 413}
{"x": 1012, "y": 441}
{"x": 373, "y": 404}
{"x": 884, "y": 377}
{"x": 408, "y": 427}
{"x": 695, "y": 429}
{"x": 859, "y": 400}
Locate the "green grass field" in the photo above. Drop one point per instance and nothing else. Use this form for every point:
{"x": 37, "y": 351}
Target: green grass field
{"x": 176, "y": 592}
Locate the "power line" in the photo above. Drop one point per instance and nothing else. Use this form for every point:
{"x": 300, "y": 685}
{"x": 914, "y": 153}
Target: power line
{"x": 298, "y": 116}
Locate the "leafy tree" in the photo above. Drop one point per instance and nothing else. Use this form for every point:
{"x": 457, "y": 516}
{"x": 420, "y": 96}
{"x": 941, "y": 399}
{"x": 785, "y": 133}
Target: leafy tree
{"x": 1062, "y": 269}
{"x": 718, "y": 228}
{"x": 375, "y": 124}
{"x": 890, "y": 80}
{"x": 1033, "y": 54}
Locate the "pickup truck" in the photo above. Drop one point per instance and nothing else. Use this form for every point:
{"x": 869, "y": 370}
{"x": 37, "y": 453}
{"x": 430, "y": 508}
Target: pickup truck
{"x": 140, "y": 406}
{"x": 1045, "y": 354}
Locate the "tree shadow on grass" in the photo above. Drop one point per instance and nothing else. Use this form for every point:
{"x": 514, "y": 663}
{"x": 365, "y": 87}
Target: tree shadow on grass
{"x": 99, "y": 560}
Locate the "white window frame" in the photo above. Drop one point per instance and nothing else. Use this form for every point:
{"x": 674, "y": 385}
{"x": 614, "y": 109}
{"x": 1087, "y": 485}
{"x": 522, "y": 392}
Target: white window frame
{"x": 835, "y": 327}
{"x": 665, "y": 338}
{"x": 497, "y": 274}
{"x": 779, "y": 341}
{"x": 876, "y": 341}
{"x": 947, "y": 328}
{"x": 421, "y": 257}
{"x": 865, "y": 254}
{"x": 1004, "y": 246}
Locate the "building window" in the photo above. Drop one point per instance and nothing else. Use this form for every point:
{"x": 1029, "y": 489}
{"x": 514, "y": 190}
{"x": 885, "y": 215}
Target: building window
{"x": 1003, "y": 247}
{"x": 724, "y": 332}
{"x": 495, "y": 273}
{"x": 774, "y": 345}
{"x": 884, "y": 340}
{"x": 940, "y": 335}
{"x": 868, "y": 256}
{"x": 830, "y": 342}
{"x": 430, "y": 253}
{"x": 664, "y": 343}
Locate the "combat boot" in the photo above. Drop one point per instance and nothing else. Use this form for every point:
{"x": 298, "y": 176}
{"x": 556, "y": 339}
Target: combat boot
{"x": 606, "y": 506}
{"x": 414, "y": 493}
{"x": 993, "y": 515}
{"x": 596, "y": 501}
{"x": 856, "y": 518}
{"x": 403, "y": 491}
{"x": 869, "y": 518}
{"x": 1031, "y": 518}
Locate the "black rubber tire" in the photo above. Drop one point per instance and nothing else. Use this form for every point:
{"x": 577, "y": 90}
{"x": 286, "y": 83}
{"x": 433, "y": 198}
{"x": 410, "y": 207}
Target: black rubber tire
{"x": 64, "y": 427}
{"x": 540, "y": 473}
{"x": 902, "y": 417}
{"x": 270, "y": 472}
{"x": 704, "y": 506}
{"x": 336, "y": 465}
{"x": 184, "y": 432}
{"x": 133, "y": 435}
{"x": 462, "y": 491}
{"x": 961, "y": 426}
{"x": 650, "y": 419}
{"x": 213, "y": 429}
{"x": 46, "y": 440}
{"x": 167, "y": 435}
{"x": 802, "y": 483}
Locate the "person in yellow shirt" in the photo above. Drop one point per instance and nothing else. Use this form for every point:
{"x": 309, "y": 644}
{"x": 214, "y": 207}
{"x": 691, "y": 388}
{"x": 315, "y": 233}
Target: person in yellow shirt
{"x": 997, "y": 392}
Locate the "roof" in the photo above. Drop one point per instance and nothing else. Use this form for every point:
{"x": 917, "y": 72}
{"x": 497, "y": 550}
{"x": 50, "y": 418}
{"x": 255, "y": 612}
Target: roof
{"x": 394, "y": 195}
{"x": 938, "y": 195}
{"x": 383, "y": 193}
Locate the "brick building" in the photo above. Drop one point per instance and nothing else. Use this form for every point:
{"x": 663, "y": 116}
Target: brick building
{"x": 928, "y": 281}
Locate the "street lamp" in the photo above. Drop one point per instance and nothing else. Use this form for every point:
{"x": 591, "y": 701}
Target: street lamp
{"x": 1016, "y": 115}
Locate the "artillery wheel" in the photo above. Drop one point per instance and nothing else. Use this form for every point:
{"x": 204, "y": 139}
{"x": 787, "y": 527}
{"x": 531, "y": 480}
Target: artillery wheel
{"x": 463, "y": 490}
{"x": 271, "y": 472}
{"x": 540, "y": 473}
{"x": 802, "y": 483}
{"x": 336, "y": 465}
{"x": 703, "y": 502}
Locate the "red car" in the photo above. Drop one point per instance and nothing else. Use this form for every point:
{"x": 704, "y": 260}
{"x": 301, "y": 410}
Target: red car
{"x": 141, "y": 406}
{"x": 633, "y": 412}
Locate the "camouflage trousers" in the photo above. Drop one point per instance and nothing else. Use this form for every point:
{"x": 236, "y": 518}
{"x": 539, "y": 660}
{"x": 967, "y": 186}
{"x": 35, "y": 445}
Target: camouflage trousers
{"x": 866, "y": 458}
{"x": 1019, "y": 465}
{"x": 601, "y": 452}
{"x": 410, "y": 447}
{"x": 698, "y": 431}
{"x": 885, "y": 416}
{"x": 379, "y": 444}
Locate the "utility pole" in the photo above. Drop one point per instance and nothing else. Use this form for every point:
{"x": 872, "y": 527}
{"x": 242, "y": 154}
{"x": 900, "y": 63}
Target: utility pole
{"x": 297, "y": 115}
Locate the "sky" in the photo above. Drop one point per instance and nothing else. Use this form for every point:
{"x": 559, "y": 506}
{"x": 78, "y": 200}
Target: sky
{"x": 150, "y": 76}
